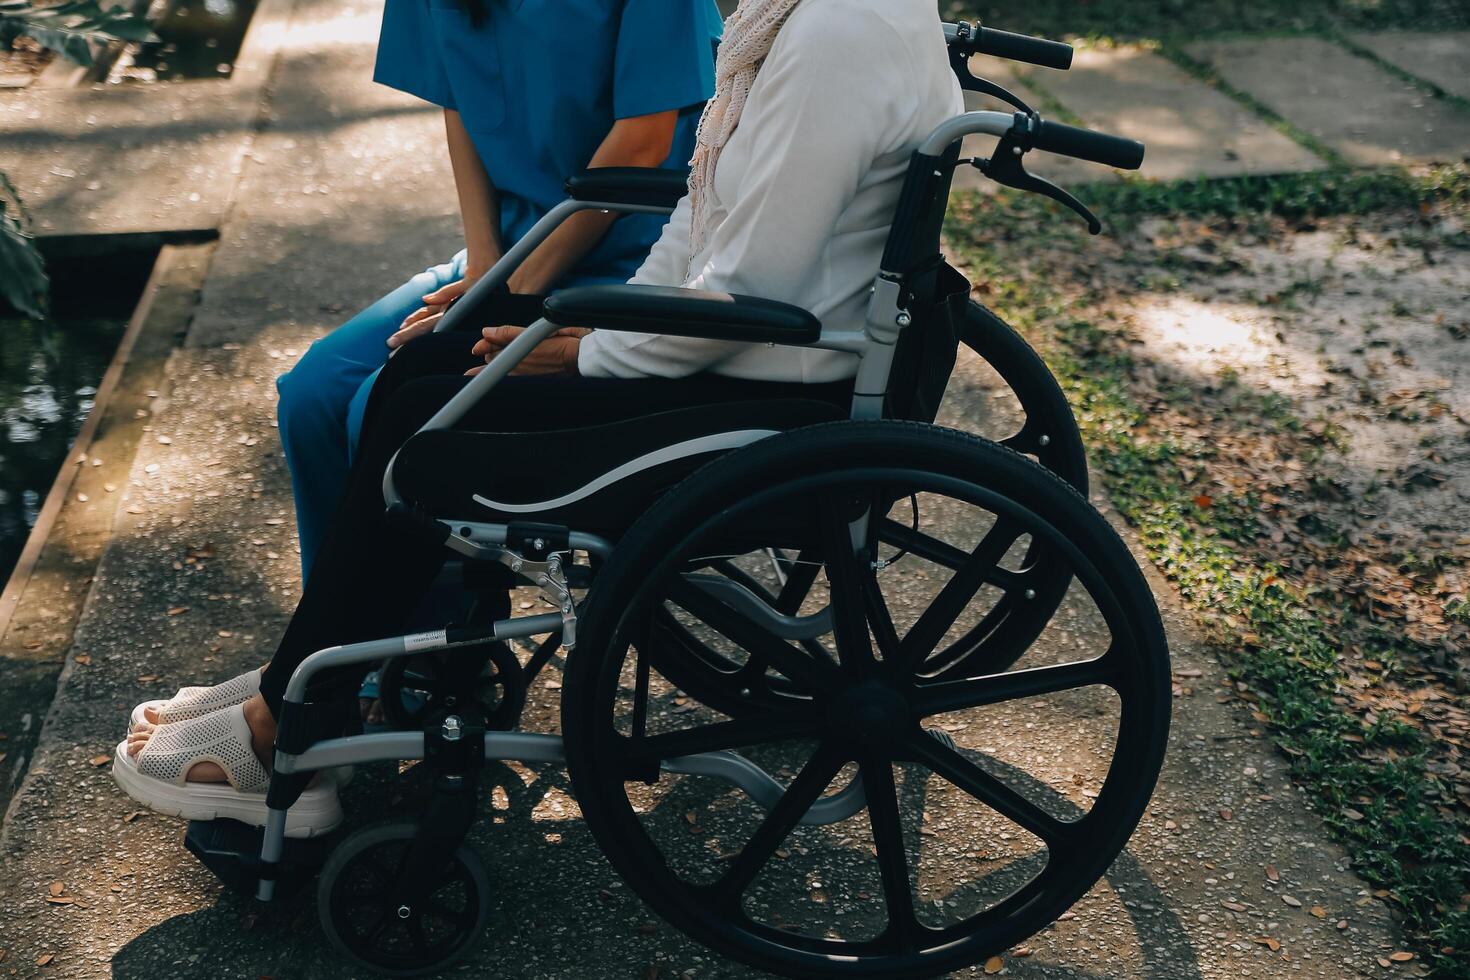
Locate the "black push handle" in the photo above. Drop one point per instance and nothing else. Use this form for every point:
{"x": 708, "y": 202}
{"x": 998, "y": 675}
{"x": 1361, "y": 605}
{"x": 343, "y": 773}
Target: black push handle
{"x": 1020, "y": 47}
{"x": 1085, "y": 144}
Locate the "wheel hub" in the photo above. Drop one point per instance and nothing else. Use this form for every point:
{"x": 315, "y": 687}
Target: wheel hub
{"x": 871, "y": 712}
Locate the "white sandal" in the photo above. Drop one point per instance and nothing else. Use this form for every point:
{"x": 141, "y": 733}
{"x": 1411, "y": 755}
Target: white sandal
{"x": 196, "y": 702}
{"x": 157, "y": 777}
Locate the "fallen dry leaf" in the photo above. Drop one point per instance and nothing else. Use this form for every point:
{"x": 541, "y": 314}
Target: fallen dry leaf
{"x": 100, "y": 760}
{"x": 56, "y": 887}
{"x": 45, "y": 958}
{"x": 994, "y": 965}
{"x": 1401, "y": 956}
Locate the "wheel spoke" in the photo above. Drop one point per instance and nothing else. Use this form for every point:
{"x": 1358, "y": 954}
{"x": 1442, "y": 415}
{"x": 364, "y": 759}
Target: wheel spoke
{"x": 463, "y": 918}
{"x": 724, "y": 736}
{"x": 958, "y": 592}
{"x": 798, "y": 584}
{"x": 948, "y": 763}
{"x": 935, "y": 699}
{"x": 804, "y": 790}
{"x": 918, "y": 543}
{"x": 845, "y": 574}
{"x": 416, "y": 934}
{"x": 943, "y": 554}
{"x": 796, "y": 664}
{"x": 893, "y": 863}
{"x": 880, "y": 619}
{"x": 378, "y": 928}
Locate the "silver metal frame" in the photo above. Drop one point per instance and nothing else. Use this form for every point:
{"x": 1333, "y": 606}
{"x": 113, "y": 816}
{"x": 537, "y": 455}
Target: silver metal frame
{"x": 874, "y": 344}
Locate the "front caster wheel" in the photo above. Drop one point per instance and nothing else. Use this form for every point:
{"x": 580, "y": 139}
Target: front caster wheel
{"x": 853, "y": 813}
{"x": 365, "y": 917}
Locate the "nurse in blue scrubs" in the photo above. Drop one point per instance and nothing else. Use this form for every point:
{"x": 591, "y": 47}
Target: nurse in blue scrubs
{"x": 532, "y": 91}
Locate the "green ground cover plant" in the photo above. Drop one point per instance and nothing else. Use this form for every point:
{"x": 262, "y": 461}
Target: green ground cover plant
{"x": 1281, "y": 642}
{"x": 23, "y": 282}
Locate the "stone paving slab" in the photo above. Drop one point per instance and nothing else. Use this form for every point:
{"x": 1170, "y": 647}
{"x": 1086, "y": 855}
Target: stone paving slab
{"x": 1442, "y": 57}
{"x": 1369, "y": 116}
{"x": 345, "y": 194}
{"x": 124, "y": 159}
{"x": 108, "y": 159}
{"x": 1191, "y": 130}
{"x": 1015, "y": 77}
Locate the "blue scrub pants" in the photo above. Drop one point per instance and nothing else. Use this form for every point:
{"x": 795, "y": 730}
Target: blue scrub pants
{"x": 323, "y": 397}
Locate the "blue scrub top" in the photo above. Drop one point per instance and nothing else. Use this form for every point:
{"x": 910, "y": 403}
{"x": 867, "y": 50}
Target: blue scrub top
{"x": 539, "y": 84}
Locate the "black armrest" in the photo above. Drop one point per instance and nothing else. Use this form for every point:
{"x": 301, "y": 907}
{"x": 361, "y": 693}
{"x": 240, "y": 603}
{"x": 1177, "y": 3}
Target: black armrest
{"x": 650, "y": 186}
{"x": 682, "y": 313}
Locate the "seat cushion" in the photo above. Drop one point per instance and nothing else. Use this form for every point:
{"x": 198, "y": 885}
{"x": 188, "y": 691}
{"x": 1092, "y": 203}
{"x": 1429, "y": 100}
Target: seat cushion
{"x": 599, "y": 478}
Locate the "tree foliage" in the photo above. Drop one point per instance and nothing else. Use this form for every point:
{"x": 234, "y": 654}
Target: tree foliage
{"x": 23, "y": 280}
{"x": 71, "y": 27}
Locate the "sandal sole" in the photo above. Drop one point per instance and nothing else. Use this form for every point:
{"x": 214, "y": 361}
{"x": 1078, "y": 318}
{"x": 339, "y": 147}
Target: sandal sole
{"x": 317, "y": 812}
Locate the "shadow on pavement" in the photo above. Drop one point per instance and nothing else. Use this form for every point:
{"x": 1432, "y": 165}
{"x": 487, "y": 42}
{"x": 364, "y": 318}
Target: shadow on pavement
{"x": 562, "y": 912}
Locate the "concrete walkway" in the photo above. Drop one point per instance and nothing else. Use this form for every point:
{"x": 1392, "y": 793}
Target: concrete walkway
{"x": 325, "y": 190}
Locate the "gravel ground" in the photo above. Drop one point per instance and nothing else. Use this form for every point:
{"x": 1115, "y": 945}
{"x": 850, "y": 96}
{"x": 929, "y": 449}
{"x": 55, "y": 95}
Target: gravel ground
{"x": 196, "y": 585}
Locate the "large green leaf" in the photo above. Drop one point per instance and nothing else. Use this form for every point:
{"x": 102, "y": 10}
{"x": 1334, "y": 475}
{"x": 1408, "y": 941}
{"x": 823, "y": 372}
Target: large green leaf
{"x": 23, "y": 281}
{"x": 71, "y": 27}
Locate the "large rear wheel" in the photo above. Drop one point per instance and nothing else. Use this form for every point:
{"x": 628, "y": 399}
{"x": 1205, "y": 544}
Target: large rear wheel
{"x": 913, "y": 823}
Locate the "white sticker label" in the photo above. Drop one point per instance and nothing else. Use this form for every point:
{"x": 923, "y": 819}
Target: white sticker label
{"x": 425, "y": 641}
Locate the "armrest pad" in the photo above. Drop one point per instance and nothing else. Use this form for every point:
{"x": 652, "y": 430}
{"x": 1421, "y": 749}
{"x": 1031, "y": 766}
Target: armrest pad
{"x": 651, "y": 186}
{"x": 682, "y": 313}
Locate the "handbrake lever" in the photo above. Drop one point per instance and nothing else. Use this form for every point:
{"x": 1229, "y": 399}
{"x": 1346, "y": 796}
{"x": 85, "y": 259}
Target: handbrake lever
{"x": 1006, "y": 167}
{"x": 960, "y": 62}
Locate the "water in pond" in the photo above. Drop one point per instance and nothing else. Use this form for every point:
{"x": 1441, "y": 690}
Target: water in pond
{"x": 49, "y": 372}
{"x": 196, "y": 39}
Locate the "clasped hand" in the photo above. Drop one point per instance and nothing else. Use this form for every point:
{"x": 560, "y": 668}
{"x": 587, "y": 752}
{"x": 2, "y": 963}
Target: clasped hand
{"x": 557, "y": 354}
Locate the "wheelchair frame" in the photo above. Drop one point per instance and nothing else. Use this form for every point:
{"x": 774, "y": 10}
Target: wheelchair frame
{"x": 485, "y": 541}
{"x": 541, "y": 554}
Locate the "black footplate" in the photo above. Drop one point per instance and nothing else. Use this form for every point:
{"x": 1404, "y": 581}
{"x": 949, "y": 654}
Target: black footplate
{"x": 231, "y": 850}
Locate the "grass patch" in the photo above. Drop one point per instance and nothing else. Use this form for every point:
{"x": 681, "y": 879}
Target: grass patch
{"x": 1369, "y": 782}
{"x": 1321, "y": 194}
{"x": 1143, "y": 19}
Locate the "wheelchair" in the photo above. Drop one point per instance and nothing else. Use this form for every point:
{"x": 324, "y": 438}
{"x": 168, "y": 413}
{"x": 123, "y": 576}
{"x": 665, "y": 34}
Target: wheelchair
{"x": 767, "y": 610}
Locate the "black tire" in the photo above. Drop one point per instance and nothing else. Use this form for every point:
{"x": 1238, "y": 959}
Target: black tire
{"x": 401, "y": 948}
{"x": 847, "y": 720}
{"x": 1049, "y": 434}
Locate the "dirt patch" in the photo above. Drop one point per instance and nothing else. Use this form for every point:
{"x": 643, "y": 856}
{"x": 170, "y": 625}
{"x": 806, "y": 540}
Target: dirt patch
{"x": 1318, "y": 372}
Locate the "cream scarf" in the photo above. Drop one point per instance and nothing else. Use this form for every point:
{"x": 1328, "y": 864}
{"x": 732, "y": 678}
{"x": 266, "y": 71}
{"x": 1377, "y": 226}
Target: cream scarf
{"x": 749, "y": 34}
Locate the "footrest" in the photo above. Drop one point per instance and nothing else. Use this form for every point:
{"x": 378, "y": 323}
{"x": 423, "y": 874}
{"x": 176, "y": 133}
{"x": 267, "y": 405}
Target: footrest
{"x": 231, "y": 850}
